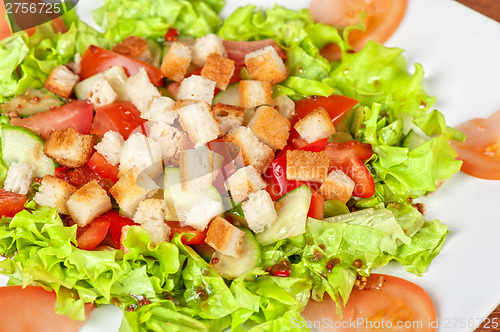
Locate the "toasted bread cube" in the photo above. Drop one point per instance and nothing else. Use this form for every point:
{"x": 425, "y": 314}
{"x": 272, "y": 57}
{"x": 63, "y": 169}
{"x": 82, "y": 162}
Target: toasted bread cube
{"x": 176, "y": 61}
{"x": 229, "y": 117}
{"x": 198, "y": 120}
{"x": 224, "y": 237}
{"x": 244, "y": 181}
{"x": 101, "y": 93}
{"x": 61, "y": 81}
{"x": 19, "y": 178}
{"x": 266, "y": 65}
{"x": 111, "y": 146}
{"x": 255, "y": 93}
{"x": 140, "y": 91}
{"x": 150, "y": 210}
{"x": 337, "y": 185}
{"x": 218, "y": 69}
{"x": 143, "y": 153}
{"x": 129, "y": 191}
{"x": 198, "y": 168}
{"x": 87, "y": 203}
{"x": 54, "y": 192}
{"x": 161, "y": 110}
{"x": 205, "y": 46}
{"x": 197, "y": 88}
{"x": 172, "y": 142}
{"x": 158, "y": 232}
{"x": 200, "y": 215}
{"x": 254, "y": 153}
{"x": 306, "y": 165}
{"x": 259, "y": 211}
{"x": 68, "y": 147}
{"x": 134, "y": 47}
{"x": 285, "y": 106}
{"x": 315, "y": 125}
{"x": 270, "y": 127}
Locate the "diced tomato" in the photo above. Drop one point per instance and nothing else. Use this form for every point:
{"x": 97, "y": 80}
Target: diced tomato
{"x": 76, "y": 115}
{"x": 11, "y": 203}
{"x": 116, "y": 225}
{"x": 237, "y": 50}
{"x": 122, "y": 117}
{"x": 397, "y": 302}
{"x": 96, "y": 60}
{"x": 101, "y": 166}
{"x": 336, "y": 106}
{"x": 176, "y": 228}
{"x": 82, "y": 175}
{"x": 348, "y": 157}
{"x": 171, "y": 34}
{"x": 94, "y": 234}
{"x": 317, "y": 207}
{"x": 32, "y": 309}
{"x": 318, "y": 146}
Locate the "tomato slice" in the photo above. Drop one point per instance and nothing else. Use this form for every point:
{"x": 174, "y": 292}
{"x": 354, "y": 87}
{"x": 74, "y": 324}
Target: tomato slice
{"x": 318, "y": 146}
{"x": 176, "y": 228}
{"x": 96, "y": 60}
{"x": 76, "y": 115}
{"x": 94, "y": 234}
{"x": 117, "y": 222}
{"x": 396, "y": 303}
{"x": 11, "y": 203}
{"x": 122, "y": 117}
{"x": 81, "y": 175}
{"x": 336, "y": 106}
{"x": 31, "y": 309}
{"x": 480, "y": 152}
{"x": 100, "y": 165}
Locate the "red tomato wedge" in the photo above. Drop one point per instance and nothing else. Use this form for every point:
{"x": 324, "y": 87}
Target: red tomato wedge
{"x": 117, "y": 222}
{"x": 76, "y": 115}
{"x": 397, "y": 303}
{"x": 480, "y": 152}
{"x": 96, "y": 60}
{"x": 122, "y": 117}
{"x": 100, "y": 165}
{"x": 176, "y": 228}
{"x": 11, "y": 203}
{"x": 336, "y": 106}
{"x": 31, "y": 309}
{"x": 382, "y": 19}
{"x": 94, "y": 234}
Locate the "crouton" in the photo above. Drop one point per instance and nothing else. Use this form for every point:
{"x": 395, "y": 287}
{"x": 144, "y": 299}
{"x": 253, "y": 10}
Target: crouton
{"x": 229, "y": 117}
{"x": 172, "y": 142}
{"x": 54, "y": 192}
{"x": 315, "y": 125}
{"x": 143, "y": 153}
{"x": 259, "y": 211}
{"x": 176, "y": 61}
{"x": 254, "y": 153}
{"x": 255, "y": 93}
{"x": 306, "y": 165}
{"x": 196, "y": 88}
{"x": 270, "y": 127}
{"x": 111, "y": 146}
{"x": 205, "y": 46}
{"x": 218, "y": 69}
{"x": 198, "y": 120}
{"x": 19, "y": 178}
{"x": 285, "y": 106}
{"x": 101, "y": 93}
{"x": 140, "y": 90}
{"x": 128, "y": 193}
{"x": 158, "y": 232}
{"x": 150, "y": 210}
{"x": 161, "y": 110}
{"x": 68, "y": 147}
{"x": 61, "y": 81}
{"x": 243, "y": 182}
{"x": 87, "y": 203}
{"x": 224, "y": 237}
{"x": 200, "y": 215}
{"x": 337, "y": 185}
{"x": 198, "y": 168}
{"x": 134, "y": 47}
{"x": 266, "y": 65}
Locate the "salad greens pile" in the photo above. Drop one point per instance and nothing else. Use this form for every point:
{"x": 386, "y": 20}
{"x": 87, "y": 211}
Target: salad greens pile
{"x": 411, "y": 157}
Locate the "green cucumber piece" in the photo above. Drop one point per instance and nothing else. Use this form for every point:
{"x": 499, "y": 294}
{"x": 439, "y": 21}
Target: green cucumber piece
{"x": 115, "y": 76}
{"x": 22, "y": 145}
{"x": 229, "y": 97}
{"x": 32, "y": 101}
{"x": 413, "y": 140}
{"x": 250, "y": 257}
{"x": 180, "y": 202}
{"x": 204, "y": 250}
{"x": 156, "y": 51}
{"x": 292, "y": 216}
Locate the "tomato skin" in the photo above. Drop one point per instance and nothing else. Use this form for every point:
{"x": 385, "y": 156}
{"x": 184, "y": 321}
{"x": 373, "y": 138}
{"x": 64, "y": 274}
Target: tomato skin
{"x": 82, "y": 175}
{"x": 94, "y": 234}
{"x": 76, "y": 115}
{"x": 31, "y": 309}
{"x": 122, "y": 117}
{"x": 318, "y": 146}
{"x": 117, "y": 222}
{"x": 336, "y": 106}
{"x": 176, "y": 228}
{"x": 96, "y": 60}
{"x": 11, "y": 203}
{"x": 100, "y": 165}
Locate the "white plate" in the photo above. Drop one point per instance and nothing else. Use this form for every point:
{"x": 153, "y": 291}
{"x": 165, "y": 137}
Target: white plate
{"x": 459, "y": 50}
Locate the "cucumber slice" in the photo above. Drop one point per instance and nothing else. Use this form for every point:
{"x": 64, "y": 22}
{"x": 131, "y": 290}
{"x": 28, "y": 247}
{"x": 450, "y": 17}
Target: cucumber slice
{"x": 229, "y": 97}
{"x": 179, "y": 202}
{"x": 292, "y": 216}
{"x": 413, "y": 140}
{"x": 115, "y": 76}
{"x": 250, "y": 257}
{"x": 156, "y": 51}
{"x": 22, "y": 145}
{"x": 31, "y": 102}
{"x": 204, "y": 250}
